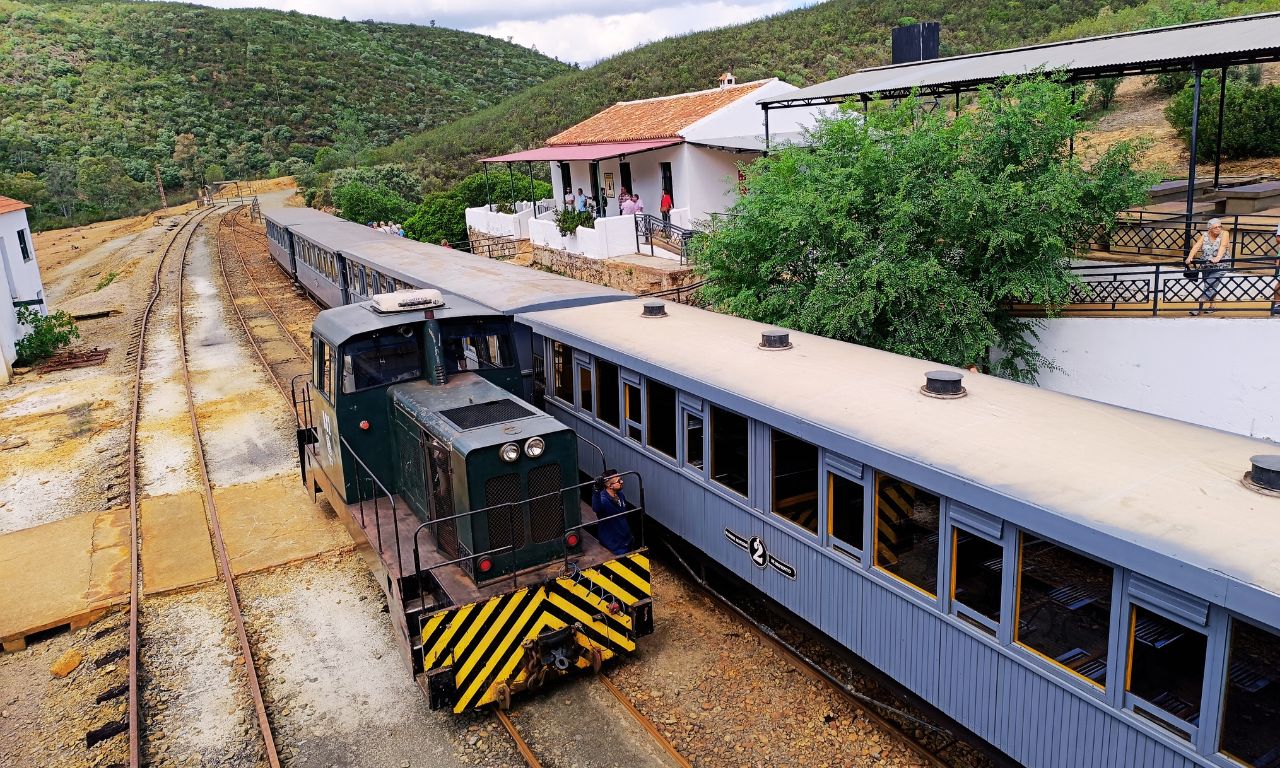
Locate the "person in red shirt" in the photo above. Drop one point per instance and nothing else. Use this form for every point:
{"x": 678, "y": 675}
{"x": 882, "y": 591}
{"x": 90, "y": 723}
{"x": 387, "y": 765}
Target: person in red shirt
{"x": 665, "y": 206}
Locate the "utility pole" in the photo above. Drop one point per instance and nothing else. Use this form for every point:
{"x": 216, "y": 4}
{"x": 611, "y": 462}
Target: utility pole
{"x": 164, "y": 200}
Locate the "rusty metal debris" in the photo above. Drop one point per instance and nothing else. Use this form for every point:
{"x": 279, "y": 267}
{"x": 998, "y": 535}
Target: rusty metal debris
{"x": 67, "y": 360}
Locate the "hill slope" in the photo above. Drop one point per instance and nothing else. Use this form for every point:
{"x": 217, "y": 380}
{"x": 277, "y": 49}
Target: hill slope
{"x": 121, "y": 80}
{"x": 804, "y": 46}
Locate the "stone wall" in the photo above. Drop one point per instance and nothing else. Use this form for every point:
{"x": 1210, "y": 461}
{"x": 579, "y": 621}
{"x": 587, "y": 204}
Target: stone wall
{"x": 637, "y": 274}
{"x": 507, "y": 249}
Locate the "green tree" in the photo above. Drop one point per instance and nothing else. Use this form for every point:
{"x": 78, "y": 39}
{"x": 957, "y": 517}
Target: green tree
{"x": 440, "y": 216}
{"x": 46, "y": 334}
{"x": 60, "y": 182}
{"x": 214, "y": 173}
{"x": 363, "y": 203}
{"x": 184, "y": 154}
{"x": 913, "y": 231}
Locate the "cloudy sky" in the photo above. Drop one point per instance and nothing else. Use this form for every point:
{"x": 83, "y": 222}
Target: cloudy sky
{"x": 570, "y": 31}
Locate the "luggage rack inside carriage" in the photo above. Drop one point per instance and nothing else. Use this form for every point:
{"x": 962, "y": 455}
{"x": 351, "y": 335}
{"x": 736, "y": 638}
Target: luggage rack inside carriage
{"x": 418, "y": 576}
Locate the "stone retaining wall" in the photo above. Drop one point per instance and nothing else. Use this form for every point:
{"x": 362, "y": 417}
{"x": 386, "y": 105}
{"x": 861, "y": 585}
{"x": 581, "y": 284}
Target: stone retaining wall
{"x": 622, "y": 274}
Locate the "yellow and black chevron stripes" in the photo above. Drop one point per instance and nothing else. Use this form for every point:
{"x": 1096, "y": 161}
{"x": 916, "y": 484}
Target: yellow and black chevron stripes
{"x": 483, "y": 642}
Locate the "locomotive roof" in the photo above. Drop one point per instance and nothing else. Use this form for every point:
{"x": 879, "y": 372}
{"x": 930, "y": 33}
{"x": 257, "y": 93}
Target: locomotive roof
{"x": 508, "y": 288}
{"x": 1161, "y": 496}
{"x": 425, "y": 402}
{"x": 341, "y": 323}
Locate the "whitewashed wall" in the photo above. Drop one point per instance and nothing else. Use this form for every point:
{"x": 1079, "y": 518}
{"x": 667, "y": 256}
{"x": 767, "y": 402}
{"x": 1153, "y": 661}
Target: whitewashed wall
{"x": 1218, "y": 372}
{"x": 19, "y": 281}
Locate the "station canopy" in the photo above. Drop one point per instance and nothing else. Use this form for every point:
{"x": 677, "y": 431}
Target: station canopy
{"x": 1203, "y": 45}
{"x": 569, "y": 152}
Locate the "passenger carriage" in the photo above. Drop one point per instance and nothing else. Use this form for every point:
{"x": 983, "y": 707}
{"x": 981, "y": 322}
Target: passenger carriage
{"x": 1078, "y": 584}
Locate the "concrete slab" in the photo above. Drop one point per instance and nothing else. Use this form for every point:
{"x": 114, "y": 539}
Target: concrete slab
{"x": 176, "y": 549}
{"x": 68, "y": 572}
{"x": 273, "y": 522}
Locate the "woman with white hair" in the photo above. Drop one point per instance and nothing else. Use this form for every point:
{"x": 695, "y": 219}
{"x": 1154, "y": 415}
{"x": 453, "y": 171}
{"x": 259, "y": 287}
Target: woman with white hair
{"x": 1208, "y": 252}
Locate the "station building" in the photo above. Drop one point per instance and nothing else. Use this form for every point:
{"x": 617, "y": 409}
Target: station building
{"x": 21, "y": 279}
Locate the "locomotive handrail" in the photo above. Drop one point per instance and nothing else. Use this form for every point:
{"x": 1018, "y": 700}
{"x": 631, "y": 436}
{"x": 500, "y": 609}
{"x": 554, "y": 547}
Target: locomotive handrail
{"x": 377, "y": 521}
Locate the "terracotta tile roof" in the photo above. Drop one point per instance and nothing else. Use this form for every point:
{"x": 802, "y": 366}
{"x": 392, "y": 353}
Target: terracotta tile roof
{"x": 659, "y": 118}
{"x": 8, "y": 204}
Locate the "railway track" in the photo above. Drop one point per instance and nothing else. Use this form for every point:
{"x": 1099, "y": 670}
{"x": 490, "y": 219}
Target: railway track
{"x": 180, "y": 242}
{"x": 668, "y": 752}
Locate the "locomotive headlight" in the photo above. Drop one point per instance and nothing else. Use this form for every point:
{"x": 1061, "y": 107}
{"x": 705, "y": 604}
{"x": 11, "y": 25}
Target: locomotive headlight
{"x": 534, "y": 446}
{"x": 509, "y": 452}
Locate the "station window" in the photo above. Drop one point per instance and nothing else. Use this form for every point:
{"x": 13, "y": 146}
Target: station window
{"x": 607, "y": 403}
{"x": 977, "y": 565}
{"x": 585, "y": 399}
{"x": 383, "y": 358}
{"x": 730, "y": 460}
{"x": 634, "y": 412}
{"x": 1251, "y": 718}
{"x": 561, "y": 371}
{"x": 907, "y": 533}
{"x": 693, "y": 436}
{"x": 845, "y": 513}
{"x": 1064, "y": 607}
{"x": 795, "y": 480}
{"x": 1166, "y": 665}
{"x": 660, "y": 423}
{"x": 22, "y": 245}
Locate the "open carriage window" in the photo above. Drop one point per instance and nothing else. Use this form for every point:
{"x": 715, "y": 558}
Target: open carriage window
{"x": 1251, "y": 718}
{"x": 383, "y": 358}
{"x": 907, "y": 533}
{"x": 477, "y": 346}
{"x": 1064, "y": 607}
{"x": 795, "y": 480}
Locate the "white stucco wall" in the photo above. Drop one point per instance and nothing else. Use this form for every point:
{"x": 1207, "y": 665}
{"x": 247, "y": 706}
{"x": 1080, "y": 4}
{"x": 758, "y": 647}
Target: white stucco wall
{"x": 1217, "y": 372}
{"x": 19, "y": 281}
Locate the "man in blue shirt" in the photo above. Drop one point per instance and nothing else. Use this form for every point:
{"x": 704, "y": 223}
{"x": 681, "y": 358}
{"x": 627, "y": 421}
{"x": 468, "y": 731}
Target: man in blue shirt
{"x": 608, "y": 501}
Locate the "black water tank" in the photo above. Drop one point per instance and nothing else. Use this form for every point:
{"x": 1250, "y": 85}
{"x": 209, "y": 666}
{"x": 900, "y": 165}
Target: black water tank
{"x": 916, "y": 42}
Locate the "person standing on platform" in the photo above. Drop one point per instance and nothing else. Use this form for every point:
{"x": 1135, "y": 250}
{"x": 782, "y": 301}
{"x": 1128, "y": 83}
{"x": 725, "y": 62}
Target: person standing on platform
{"x": 1208, "y": 251}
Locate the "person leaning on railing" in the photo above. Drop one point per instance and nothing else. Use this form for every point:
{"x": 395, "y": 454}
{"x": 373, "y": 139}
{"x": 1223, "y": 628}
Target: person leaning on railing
{"x": 1208, "y": 251}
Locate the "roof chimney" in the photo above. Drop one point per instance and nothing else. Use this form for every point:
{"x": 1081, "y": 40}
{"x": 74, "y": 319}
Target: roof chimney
{"x": 1264, "y": 474}
{"x": 916, "y": 42}
{"x": 727, "y": 79}
{"x": 944, "y": 385}
{"x": 654, "y": 309}
{"x": 775, "y": 339}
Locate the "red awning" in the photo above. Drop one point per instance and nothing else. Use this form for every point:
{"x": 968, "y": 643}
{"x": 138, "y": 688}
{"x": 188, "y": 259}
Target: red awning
{"x": 583, "y": 151}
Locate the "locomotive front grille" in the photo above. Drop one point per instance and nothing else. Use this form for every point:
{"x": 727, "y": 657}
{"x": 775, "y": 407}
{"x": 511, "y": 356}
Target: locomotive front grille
{"x": 486, "y": 414}
{"x": 506, "y": 522}
{"x": 546, "y": 515}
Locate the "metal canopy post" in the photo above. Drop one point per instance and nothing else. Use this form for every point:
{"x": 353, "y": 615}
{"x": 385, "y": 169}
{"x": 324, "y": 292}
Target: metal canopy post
{"x": 766, "y": 127}
{"x": 511, "y": 184}
{"x": 1222, "y": 105}
{"x": 488, "y": 198}
{"x": 1191, "y": 163}
{"x": 533, "y": 196}
{"x": 1071, "y": 143}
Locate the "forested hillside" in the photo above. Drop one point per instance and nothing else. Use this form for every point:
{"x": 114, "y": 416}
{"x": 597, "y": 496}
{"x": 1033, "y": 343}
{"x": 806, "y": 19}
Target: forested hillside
{"x": 804, "y": 46}
{"x": 94, "y": 95}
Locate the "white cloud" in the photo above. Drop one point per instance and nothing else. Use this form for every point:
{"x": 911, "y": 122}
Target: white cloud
{"x": 558, "y": 28}
{"x": 588, "y": 38}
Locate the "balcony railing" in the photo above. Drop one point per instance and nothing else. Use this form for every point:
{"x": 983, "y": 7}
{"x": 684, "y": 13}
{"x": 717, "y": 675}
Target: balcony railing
{"x": 1143, "y": 233}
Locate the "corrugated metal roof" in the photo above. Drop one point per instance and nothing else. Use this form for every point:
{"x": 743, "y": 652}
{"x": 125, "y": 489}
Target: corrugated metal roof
{"x": 582, "y": 151}
{"x": 1213, "y": 43}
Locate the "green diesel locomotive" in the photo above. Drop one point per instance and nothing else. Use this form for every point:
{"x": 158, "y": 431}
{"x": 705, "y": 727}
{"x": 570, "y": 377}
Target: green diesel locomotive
{"x": 463, "y": 498}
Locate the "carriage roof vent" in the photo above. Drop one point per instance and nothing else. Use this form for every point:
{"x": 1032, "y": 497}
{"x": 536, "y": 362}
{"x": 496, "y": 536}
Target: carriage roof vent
{"x": 775, "y": 339}
{"x": 944, "y": 385}
{"x": 1264, "y": 475}
{"x": 654, "y": 309}
{"x": 406, "y": 301}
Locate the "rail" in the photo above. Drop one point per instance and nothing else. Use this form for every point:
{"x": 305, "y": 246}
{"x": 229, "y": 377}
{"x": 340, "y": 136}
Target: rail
{"x": 654, "y": 232}
{"x": 1143, "y": 232}
{"x": 1233, "y": 286}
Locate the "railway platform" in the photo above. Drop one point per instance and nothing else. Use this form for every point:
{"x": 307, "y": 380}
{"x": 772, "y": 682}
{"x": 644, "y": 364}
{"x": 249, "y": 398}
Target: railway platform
{"x": 68, "y": 573}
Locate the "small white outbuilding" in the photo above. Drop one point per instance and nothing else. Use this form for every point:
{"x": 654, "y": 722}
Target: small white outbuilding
{"x": 21, "y": 279}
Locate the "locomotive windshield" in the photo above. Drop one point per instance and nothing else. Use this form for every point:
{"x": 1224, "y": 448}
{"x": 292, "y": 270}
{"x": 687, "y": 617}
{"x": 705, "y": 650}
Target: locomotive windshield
{"x": 381, "y": 358}
{"x": 477, "y": 345}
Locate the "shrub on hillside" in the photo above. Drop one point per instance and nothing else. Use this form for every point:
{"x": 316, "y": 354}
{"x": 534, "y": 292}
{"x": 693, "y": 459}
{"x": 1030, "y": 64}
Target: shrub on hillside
{"x": 568, "y": 221}
{"x": 363, "y": 203}
{"x": 1252, "y": 114}
{"x": 48, "y": 334}
{"x": 440, "y": 216}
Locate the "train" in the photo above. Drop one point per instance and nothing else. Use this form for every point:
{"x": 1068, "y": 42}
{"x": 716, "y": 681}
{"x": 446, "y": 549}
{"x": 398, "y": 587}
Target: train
{"x": 1077, "y": 584}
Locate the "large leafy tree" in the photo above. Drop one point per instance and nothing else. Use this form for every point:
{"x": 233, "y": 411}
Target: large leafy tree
{"x": 913, "y": 230}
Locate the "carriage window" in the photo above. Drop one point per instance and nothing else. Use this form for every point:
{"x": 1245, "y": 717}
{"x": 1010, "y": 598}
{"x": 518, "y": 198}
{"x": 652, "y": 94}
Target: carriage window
{"x": 1064, "y": 607}
{"x": 384, "y": 358}
{"x": 1166, "y": 664}
{"x": 561, "y": 371}
{"x": 907, "y": 533}
{"x": 977, "y": 564}
{"x": 607, "y": 382}
{"x": 730, "y": 465}
{"x": 1251, "y": 719}
{"x": 795, "y": 480}
{"x": 585, "y": 400}
{"x": 693, "y": 434}
{"x": 661, "y": 418}
{"x": 844, "y": 512}
{"x": 477, "y": 346}
{"x": 631, "y": 399}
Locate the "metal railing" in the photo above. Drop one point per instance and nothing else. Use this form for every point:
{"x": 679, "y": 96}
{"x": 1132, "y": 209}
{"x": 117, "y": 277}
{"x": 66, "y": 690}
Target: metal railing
{"x": 1140, "y": 232}
{"x": 1234, "y": 285}
{"x": 681, "y": 294}
{"x": 669, "y": 237}
{"x": 495, "y": 247}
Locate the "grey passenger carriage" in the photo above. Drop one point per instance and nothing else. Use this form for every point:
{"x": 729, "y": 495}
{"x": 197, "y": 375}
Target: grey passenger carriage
{"x": 1078, "y": 584}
